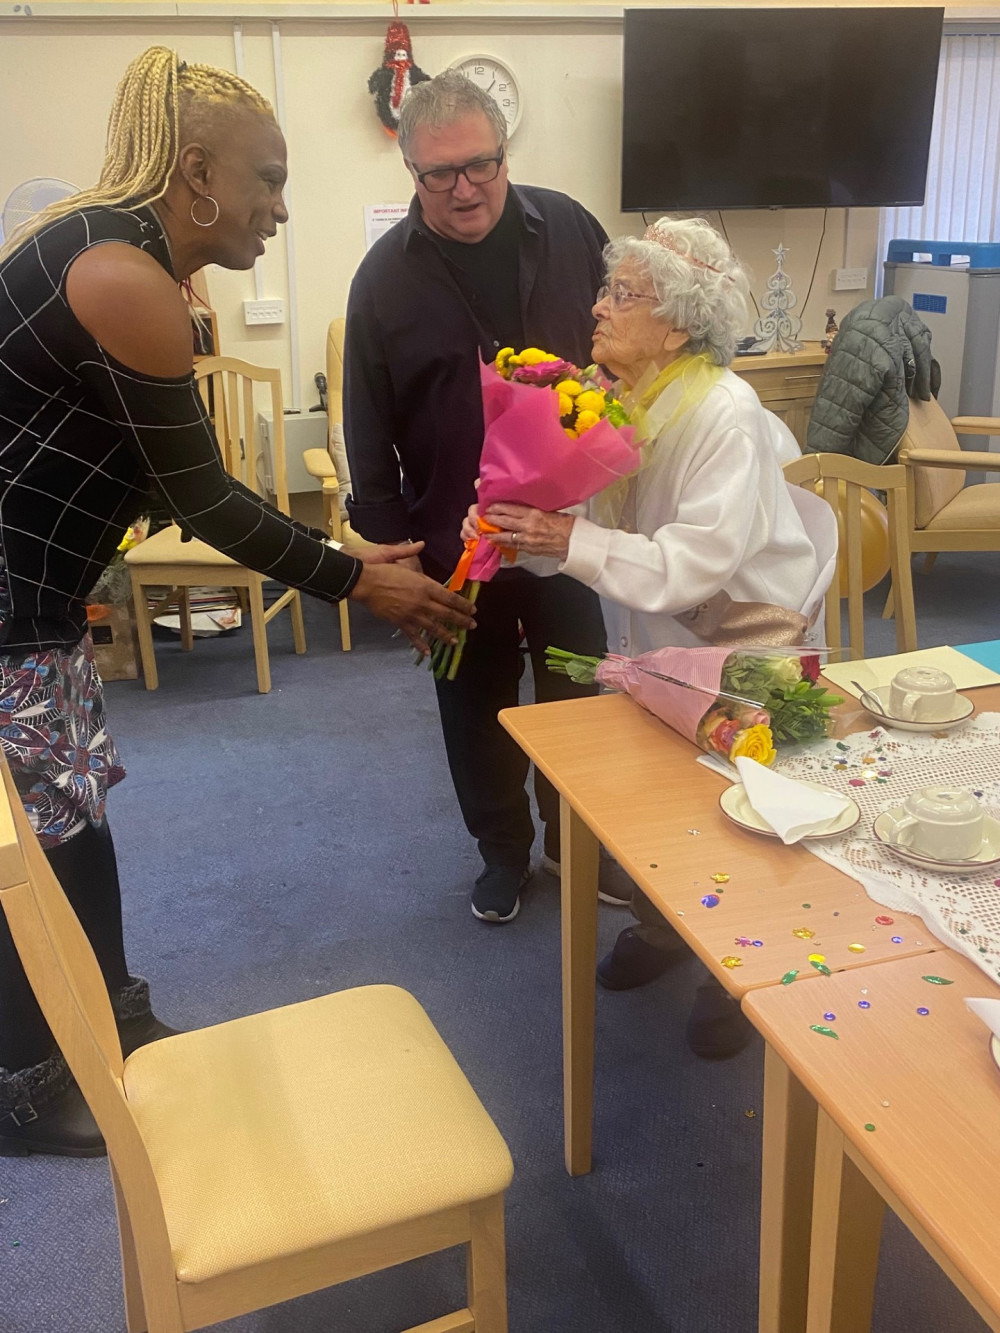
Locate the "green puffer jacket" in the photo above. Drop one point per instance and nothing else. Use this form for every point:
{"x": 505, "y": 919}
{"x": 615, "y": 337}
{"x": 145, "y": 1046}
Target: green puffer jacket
{"x": 881, "y": 354}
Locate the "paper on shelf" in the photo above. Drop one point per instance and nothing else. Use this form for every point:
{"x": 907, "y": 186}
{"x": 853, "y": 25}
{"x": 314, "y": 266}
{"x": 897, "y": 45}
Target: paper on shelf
{"x": 876, "y": 671}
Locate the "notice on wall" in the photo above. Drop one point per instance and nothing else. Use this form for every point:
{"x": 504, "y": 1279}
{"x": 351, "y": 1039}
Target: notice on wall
{"x": 379, "y": 218}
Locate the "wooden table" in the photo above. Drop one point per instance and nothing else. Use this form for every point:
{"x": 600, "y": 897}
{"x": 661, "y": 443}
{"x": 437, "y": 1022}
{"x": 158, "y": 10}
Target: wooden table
{"x": 786, "y": 383}
{"x": 928, "y": 1085}
{"x": 627, "y": 781}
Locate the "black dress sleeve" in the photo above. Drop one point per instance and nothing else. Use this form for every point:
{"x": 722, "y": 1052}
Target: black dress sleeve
{"x": 164, "y": 422}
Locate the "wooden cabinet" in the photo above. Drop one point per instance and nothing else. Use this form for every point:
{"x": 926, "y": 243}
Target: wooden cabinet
{"x": 786, "y": 383}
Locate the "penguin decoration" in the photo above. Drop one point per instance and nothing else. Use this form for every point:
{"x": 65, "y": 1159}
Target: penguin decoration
{"x": 397, "y": 75}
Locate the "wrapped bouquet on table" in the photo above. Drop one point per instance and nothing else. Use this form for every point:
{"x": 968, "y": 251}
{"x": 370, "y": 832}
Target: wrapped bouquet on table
{"x": 743, "y": 702}
{"x": 551, "y": 449}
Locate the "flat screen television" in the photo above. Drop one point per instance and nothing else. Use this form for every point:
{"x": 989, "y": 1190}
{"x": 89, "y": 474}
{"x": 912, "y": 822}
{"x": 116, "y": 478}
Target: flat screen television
{"x": 777, "y": 108}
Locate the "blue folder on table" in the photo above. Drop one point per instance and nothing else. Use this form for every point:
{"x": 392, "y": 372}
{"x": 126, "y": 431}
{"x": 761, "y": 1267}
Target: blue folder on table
{"x": 986, "y": 654}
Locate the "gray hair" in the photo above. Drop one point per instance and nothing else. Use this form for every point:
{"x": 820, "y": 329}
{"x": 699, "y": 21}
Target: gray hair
{"x": 701, "y": 286}
{"x": 443, "y": 100}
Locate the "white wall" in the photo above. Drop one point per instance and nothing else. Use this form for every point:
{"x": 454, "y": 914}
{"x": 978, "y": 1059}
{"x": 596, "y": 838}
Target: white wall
{"x": 57, "y": 78}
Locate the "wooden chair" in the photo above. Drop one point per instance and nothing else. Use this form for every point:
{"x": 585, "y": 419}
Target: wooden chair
{"x": 823, "y": 473}
{"x": 274, "y": 1155}
{"x": 943, "y": 513}
{"x": 163, "y": 560}
{"x": 329, "y": 465}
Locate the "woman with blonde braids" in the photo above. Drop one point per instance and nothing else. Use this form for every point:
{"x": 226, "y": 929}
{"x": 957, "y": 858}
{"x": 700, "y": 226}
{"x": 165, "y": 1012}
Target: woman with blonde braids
{"x": 97, "y": 404}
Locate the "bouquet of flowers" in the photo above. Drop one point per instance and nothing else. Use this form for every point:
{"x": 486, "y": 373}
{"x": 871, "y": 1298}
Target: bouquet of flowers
{"x": 744, "y": 702}
{"x": 549, "y": 449}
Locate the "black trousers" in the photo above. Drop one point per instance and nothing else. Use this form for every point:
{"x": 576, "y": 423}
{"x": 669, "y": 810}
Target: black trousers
{"x": 488, "y": 768}
{"x": 87, "y": 870}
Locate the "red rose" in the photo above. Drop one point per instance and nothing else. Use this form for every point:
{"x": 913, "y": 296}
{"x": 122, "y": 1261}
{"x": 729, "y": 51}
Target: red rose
{"x": 810, "y": 667}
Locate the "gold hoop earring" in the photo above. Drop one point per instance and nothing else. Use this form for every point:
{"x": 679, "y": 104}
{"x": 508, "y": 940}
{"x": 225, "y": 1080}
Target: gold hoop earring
{"x": 212, "y": 221}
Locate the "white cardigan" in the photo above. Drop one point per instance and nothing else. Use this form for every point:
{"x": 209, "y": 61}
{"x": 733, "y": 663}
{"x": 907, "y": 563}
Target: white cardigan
{"x": 712, "y": 511}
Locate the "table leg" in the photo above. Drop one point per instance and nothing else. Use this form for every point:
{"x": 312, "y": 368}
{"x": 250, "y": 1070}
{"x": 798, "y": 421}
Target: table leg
{"x": 786, "y": 1198}
{"x": 579, "y": 854}
{"x": 846, "y": 1233}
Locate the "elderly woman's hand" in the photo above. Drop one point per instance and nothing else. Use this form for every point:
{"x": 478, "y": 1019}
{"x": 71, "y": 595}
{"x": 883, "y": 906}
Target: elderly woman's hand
{"x": 470, "y": 524}
{"x": 533, "y": 531}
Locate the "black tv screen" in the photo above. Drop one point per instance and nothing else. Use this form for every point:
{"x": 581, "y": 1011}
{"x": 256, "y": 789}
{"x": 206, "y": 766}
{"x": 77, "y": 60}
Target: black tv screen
{"x": 777, "y": 108}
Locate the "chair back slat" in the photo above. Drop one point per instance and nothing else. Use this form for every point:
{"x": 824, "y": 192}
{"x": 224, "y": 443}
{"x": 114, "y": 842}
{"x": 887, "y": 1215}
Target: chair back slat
{"x": 235, "y": 385}
{"x": 840, "y": 479}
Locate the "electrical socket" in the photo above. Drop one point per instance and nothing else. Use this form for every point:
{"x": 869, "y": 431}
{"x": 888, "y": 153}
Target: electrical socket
{"x": 263, "y": 312}
{"x": 850, "y": 279}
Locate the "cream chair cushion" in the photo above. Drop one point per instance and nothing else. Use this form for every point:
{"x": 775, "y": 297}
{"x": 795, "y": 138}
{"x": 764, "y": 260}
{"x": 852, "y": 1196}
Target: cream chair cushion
{"x": 928, "y": 427}
{"x": 308, "y": 1125}
{"x": 166, "y": 548}
{"x": 973, "y": 507}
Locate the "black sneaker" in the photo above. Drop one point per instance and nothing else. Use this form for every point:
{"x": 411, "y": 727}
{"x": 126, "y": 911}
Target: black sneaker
{"x": 634, "y": 962}
{"x": 717, "y": 1028}
{"x": 613, "y": 885}
{"x": 496, "y": 896}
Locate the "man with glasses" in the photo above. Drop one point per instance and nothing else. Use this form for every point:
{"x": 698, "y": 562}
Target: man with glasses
{"x": 478, "y": 264}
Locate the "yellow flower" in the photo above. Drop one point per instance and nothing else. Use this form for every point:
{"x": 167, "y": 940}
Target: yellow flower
{"x": 754, "y": 743}
{"x": 565, "y": 405}
{"x": 585, "y": 420}
{"x": 502, "y": 361}
{"x": 533, "y": 356}
{"x": 570, "y": 387}
{"x": 570, "y": 432}
{"x": 591, "y": 401}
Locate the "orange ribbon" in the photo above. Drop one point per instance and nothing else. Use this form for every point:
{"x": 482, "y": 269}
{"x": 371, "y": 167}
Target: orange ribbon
{"x": 461, "y": 572}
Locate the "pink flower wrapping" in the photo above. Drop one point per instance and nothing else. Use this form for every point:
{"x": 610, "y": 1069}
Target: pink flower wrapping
{"x": 528, "y": 458}
{"x": 680, "y": 708}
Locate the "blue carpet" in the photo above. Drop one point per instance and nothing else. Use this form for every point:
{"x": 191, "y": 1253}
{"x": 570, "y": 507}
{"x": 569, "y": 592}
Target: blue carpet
{"x": 278, "y": 847}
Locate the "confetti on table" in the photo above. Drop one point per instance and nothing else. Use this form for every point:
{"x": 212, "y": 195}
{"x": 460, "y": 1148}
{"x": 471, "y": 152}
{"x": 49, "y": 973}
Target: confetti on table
{"x": 870, "y": 1127}
{"x": 856, "y": 782}
{"x": 789, "y": 977}
{"x": 720, "y": 878}
{"x": 822, "y": 967}
{"x": 830, "y": 1018}
{"x": 807, "y": 906}
{"x": 710, "y": 900}
{"x": 750, "y": 1113}
{"x": 823, "y": 1031}
{"x": 897, "y": 939}
{"x": 938, "y": 981}
{"x": 885, "y": 1103}
{"x": 694, "y": 832}
{"x": 864, "y": 1004}
{"x": 731, "y": 961}
{"x": 883, "y": 921}
{"x": 855, "y": 948}
{"x": 743, "y": 941}
{"x": 923, "y": 1012}
{"x": 758, "y": 944}
{"x": 817, "y": 958}
{"x": 803, "y": 933}
{"x": 836, "y": 914}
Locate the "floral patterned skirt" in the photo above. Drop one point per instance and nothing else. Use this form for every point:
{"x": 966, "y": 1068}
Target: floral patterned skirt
{"x": 55, "y": 741}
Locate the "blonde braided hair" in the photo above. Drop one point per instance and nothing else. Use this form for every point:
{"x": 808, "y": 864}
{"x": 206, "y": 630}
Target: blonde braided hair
{"x": 157, "y": 98}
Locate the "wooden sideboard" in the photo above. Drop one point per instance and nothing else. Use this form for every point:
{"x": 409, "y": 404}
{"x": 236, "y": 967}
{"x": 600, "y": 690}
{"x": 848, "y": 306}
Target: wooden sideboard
{"x": 786, "y": 383}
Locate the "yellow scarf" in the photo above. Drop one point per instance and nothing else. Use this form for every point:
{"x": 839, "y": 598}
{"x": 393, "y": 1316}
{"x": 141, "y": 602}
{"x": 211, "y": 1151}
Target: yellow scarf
{"x": 698, "y": 375}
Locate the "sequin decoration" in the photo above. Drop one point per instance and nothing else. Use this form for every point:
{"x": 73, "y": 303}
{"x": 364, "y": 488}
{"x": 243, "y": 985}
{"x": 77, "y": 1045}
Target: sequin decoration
{"x": 830, "y": 1018}
{"x": 855, "y": 948}
{"x": 720, "y": 878}
{"x": 822, "y": 967}
{"x": 750, "y": 1113}
{"x": 807, "y": 906}
{"x": 710, "y": 900}
{"x": 732, "y": 961}
{"x": 870, "y": 1127}
{"x": 823, "y": 1031}
{"x": 693, "y": 832}
{"x": 883, "y": 921}
{"x": 789, "y": 977}
{"x": 743, "y": 941}
{"x": 758, "y": 944}
{"x": 817, "y": 958}
{"x": 897, "y": 939}
{"x": 938, "y": 981}
{"x": 864, "y": 1004}
{"x": 803, "y": 933}
{"x": 923, "y": 1011}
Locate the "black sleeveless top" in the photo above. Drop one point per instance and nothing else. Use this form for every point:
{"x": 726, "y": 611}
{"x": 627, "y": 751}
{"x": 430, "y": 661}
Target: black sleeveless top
{"x": 83, "y": 437}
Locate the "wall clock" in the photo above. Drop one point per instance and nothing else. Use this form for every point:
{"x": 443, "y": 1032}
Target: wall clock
{"x": 499, "y": 80}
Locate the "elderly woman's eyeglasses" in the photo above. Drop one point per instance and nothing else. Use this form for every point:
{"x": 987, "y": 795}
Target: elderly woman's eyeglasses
{"x": 480, "y": 172}
{"x": 620, "y": 298}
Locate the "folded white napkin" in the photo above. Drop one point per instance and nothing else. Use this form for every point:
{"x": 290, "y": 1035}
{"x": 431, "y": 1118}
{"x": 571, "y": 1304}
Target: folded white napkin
{"x": 988, "y": 1011}
{"x": 791, "y": 808}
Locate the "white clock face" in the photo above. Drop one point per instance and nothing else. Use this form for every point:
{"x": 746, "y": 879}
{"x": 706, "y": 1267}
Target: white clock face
{"x": 495, "y": 78}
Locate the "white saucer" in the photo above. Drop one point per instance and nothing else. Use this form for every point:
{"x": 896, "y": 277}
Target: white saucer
{"x": 995, "y": 1049}
{"x": 881, "y": 692}
{"x": 735, "y": 805}
{"x": 987, "y": 856}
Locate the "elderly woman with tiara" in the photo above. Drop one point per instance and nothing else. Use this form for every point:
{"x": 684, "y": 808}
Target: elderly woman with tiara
{"x": 706, "y": 543}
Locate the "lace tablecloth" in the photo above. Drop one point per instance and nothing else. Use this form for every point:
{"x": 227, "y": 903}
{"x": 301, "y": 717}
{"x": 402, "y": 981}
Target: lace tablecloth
{"x": 879, "y": 769}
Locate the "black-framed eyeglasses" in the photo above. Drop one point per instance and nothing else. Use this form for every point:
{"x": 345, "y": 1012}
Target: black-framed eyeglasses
{"x": 478, "y": 172}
